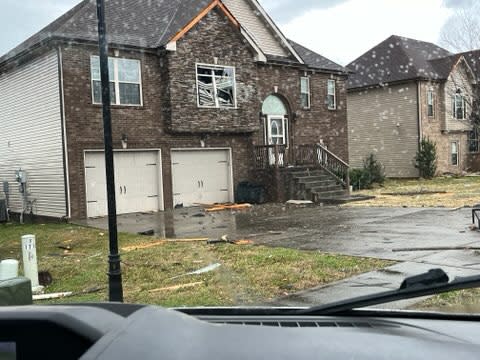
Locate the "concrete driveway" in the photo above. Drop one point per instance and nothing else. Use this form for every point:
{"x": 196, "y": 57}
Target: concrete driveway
{"x": 369, "y": 232}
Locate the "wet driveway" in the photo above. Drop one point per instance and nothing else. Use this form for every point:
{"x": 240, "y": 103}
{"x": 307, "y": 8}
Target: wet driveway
{"x": 375, "y": 232}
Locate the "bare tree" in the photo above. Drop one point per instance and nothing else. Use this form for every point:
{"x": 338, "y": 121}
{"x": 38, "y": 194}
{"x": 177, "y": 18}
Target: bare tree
{"x": 461, "y": 32}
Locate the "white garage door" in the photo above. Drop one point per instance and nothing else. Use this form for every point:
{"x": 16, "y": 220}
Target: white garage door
{"x": 136, "y": 182}
{"x": 201, "y": 177}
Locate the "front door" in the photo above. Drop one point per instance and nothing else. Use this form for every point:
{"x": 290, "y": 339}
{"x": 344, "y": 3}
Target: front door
{"x": 276, "y": 135}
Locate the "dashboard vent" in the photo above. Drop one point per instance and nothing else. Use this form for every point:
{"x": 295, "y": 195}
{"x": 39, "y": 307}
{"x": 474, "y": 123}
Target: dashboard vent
{"x": 305, "y": 323}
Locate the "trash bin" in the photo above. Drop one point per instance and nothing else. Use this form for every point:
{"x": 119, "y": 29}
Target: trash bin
{"x": 248, "y": 192}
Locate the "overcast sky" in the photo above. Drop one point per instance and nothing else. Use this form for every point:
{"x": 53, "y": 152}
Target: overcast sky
{"x": 339, "y": 29}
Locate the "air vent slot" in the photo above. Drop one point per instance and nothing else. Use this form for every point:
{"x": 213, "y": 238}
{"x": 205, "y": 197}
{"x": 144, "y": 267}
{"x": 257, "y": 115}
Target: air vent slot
{"x": 304, "y": 323}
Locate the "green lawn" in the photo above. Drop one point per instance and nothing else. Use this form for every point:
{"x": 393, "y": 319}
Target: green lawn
{"x": 248, "y": 274}
{"x": 467, "y": 300}
{"x": 452, "y": 192}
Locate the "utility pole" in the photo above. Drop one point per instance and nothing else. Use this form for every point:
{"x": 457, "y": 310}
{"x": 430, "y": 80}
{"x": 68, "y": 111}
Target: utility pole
{"x": 115, "y": 291}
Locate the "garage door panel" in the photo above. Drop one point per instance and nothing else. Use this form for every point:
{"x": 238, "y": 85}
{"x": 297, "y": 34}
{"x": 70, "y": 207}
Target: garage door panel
{"x": 136, "y": 182}
{"x": 201, "y": 176}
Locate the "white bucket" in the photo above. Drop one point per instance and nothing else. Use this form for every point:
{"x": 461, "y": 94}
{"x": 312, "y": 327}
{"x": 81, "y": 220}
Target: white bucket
{"x": 8, "y": 269}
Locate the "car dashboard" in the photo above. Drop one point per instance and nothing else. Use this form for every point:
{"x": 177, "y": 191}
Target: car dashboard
{"x": 116, "y": 331}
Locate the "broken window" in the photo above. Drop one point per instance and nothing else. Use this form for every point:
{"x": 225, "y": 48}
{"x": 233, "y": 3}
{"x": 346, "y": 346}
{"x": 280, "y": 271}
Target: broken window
{"x": 454, "y": 153}
{"x": 430, "y": 103}
{"x": 473, "y": 141}
{"x": 305, "y": 92}
{"x": 331, "y": 96}
{"x": 459, "y": 108}
{"x": 216, "y": 86}
{"x": 125, "y": 81}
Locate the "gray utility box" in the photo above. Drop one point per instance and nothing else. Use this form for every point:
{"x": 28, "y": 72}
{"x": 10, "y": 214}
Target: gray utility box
{"x": 3, "y": 210}
{"x": 16, "y": 291}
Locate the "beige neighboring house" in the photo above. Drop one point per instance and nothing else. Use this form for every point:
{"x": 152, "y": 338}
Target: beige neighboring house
{"x": 402, "y": 90}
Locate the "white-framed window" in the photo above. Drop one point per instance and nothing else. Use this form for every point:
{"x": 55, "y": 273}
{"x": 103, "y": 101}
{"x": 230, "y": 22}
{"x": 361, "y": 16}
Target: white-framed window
{"x": 430, "y": 103}
{"x": 331, "y": 95}
{"x": 216, "y": 86}
{"x": 125, "y": 81}
{"x": 459, "y": 107}
{"x": 454, "y": 153}
{"x": 305, "y": 92}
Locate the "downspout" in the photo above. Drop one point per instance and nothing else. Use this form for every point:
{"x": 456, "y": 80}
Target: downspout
{"x": 68, "y": 207}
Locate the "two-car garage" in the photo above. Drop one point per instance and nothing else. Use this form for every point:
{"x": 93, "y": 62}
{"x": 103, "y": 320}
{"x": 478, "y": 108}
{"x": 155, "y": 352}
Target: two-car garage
{"x": 199, "y": 176}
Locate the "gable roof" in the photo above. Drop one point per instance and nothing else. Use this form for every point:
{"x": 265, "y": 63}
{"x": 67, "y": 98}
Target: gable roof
{"x": 316, "y": 61}
{"x": 137, "y": 23}
{"x": 473, "y": 59}
{"x": 398, "y": 59}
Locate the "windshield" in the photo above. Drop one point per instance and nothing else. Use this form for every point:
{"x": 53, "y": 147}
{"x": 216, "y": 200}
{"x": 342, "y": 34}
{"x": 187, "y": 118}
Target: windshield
{"x": 274, "y": 153}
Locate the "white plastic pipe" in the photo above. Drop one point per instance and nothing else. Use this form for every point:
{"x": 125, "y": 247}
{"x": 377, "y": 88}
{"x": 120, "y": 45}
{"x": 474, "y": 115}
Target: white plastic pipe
{"x": 29, "y": 252}
{"x": 8, "y": 269}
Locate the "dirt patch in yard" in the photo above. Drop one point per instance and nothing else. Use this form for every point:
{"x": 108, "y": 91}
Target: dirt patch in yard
{"x": 449, "y": 192}
{"x": 76, "y": 257}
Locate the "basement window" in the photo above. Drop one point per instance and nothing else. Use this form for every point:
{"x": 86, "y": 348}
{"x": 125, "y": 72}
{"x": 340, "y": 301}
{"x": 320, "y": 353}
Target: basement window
{"x": 430, "y": 103}
{"x": 125, "y": 81}
{"x": 305, "y": 92}
{"x": 454, "y": 153}
{"x": 216, "y": 86}
{"x": 331, "y": 95}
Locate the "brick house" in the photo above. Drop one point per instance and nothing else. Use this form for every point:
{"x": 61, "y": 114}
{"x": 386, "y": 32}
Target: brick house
{"x": 402, "y": 90}
{"x": 206, "y": 94}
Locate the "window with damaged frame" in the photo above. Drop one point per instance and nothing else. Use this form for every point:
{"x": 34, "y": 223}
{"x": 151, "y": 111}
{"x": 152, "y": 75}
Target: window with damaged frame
{"x": 125, "y": 81}
{"x": 305, "y": 92}
{"x": 473, "y": 141}
{"x": 216, "y": 86}
{"x": 454, "y": 153}
{"x": 331, "y": 96}
{"x": 430, "y": 103}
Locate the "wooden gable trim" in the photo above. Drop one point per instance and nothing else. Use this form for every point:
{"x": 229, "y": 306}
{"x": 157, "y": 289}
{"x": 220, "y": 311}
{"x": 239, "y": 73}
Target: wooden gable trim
{"x": 467, "y": 65}
{"x": 202, "y": 14}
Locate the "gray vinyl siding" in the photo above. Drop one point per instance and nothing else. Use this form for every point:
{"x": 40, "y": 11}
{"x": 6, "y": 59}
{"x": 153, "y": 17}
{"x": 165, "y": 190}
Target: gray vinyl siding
{"x": 373, "y": 116}
{"x": 252, "y": 21}
{"x": 30, "y": 124}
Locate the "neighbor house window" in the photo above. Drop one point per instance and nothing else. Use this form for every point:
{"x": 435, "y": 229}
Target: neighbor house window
{"x": 331, "y": 97}
{"x": 454, "y": 152}
{"x": 216, "y": 86}
{"x": 305, "y": 92}
{"x": 430, "y": 104}
{"x": 459, "y": 108}
{"x": 125, "y": 81}
{"x": 473, "y": 141}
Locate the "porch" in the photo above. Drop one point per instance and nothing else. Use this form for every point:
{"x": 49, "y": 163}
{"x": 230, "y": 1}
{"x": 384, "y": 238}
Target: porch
{"x": 308, "y": 172}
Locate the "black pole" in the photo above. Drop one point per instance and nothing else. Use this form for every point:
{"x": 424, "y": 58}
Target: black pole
{"x": 115, "y": 291}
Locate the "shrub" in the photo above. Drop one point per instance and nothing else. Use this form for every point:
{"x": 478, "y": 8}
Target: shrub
{"x": 374, "y": 170}
{"x": 371, "y": 173}
{"x": 426, "y": 159}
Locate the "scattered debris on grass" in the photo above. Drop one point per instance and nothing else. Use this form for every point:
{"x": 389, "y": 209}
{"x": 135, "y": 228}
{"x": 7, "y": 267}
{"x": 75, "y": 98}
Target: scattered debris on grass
{"x": 60, "y": 295}
{"x": 203, "y": 270}
{"x": 413, "y": 193}
{"x": 150, "y": 232}
{"x": 160, "y": 242}
{"x": 225, "y": 240}
{"x": 176, "y": 287}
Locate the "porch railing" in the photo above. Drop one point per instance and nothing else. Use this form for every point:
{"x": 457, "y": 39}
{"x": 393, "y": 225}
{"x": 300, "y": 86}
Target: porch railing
{"x": 320, "y": 156}
{"x": 271, "y": 156}
{"x": 277, "y": 156}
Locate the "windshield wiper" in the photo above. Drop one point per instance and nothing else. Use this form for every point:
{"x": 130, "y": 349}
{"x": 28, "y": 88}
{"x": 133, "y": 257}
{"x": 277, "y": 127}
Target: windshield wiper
{"x": 433, "y": 282}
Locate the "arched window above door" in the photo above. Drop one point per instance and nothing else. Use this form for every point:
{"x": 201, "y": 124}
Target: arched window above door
{"x": 273, "y": 105}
